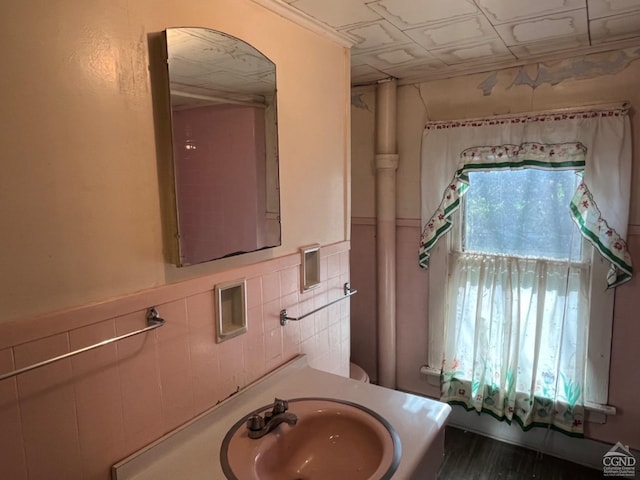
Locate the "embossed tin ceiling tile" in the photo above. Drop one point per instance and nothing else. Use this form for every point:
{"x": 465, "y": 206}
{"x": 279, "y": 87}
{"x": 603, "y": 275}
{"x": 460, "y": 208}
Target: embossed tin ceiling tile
{"x": 618, "y": 27}
{"x": 374, "y": 36}
{"x": 403, "y": 55}
{"x": 500, "y": 11}
{"x": 337, "y": 13}
{"x": 456, "y": 32}
{"x": 540, "y": 48}
{"x": 567, "y": 24}
{"x": 398, "y": 56}
{"x": 406, "y": 14}
{"x": 416, "y": 71}
{"x": 490, "y": 52}
{"x": 607, "y": 8}
{"x": 366, "y": 74}
{"x": 464, "y": 40}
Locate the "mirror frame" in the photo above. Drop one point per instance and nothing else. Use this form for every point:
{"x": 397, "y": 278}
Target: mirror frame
{"x": 170, "y": 198}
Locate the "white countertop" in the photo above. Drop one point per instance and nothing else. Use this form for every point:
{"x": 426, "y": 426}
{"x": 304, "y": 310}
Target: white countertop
{"x": 193, "y": 450}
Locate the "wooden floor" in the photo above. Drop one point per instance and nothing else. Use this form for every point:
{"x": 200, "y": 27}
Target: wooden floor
{"x": 473, "y": 457}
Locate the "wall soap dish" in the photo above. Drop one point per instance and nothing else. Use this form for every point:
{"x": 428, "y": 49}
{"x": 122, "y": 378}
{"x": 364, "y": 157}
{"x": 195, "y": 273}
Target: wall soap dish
{"x": 231, "y": 310}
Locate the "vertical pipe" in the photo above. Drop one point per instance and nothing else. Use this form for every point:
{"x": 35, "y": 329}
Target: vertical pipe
{"x": 386, "y": 166}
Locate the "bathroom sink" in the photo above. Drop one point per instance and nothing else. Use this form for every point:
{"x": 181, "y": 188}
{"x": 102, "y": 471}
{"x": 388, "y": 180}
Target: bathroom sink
{"x": 332, "y": 439}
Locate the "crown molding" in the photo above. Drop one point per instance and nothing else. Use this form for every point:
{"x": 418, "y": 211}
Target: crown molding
{"x": 285, "y": 10}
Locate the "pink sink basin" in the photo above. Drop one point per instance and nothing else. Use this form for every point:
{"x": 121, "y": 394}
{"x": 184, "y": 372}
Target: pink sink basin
{"x": 332, "y": 439}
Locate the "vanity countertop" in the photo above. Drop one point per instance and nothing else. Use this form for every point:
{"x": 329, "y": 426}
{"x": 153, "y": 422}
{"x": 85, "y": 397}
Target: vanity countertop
{"x": 193, "y": 450}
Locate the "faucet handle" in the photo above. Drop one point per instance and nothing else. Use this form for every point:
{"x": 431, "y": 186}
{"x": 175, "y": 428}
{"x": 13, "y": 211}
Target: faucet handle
{"x": 279, "y": 406}
{"x": 255, "y": 423}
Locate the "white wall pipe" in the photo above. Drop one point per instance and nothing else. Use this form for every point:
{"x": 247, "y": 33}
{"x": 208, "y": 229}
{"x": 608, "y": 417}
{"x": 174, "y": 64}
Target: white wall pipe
{"x": 386, "y": 166}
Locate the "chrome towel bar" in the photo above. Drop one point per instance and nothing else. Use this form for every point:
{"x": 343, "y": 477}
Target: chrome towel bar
{"x": 153, "y": 321}
{"x": 283, "y": 313}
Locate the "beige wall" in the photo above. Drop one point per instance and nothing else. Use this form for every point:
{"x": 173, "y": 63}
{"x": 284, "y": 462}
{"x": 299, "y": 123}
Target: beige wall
{"x": 594, "y": 79}
{"x": 79, "y": 196}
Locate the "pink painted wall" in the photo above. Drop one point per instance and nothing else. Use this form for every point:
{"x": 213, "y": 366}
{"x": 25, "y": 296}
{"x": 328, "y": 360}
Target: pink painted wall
{"x": 465, "y": 97}
{"x": 220, "y": 170}
{"x": 73, "y": 419}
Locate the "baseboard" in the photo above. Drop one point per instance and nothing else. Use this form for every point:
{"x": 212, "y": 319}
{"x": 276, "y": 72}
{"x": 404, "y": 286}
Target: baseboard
{"x": 583, "y": 451}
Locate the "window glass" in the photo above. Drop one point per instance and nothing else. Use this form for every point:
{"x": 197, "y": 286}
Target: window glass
{"x": 521, "y": 213}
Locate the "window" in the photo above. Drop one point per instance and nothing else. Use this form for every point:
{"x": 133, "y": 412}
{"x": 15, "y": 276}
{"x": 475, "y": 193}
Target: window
{"x": 498, "y": 245}
{"x": 518, "y": 273}
{"x": 515, "y": 256}
{"x": 521, "y": 213}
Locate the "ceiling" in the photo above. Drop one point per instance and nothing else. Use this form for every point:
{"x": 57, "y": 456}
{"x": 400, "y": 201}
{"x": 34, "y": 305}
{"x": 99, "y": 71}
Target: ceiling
{"x": 208, "y": 67}
{"x": 416, "y": 40}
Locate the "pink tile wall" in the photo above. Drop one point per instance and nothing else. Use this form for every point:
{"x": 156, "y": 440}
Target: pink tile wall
{"x": 74, "y": 418}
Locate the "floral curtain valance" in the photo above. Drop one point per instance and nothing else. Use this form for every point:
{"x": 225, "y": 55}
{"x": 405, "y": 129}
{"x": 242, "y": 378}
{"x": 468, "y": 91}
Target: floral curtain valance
{"x": 599, "y": 146}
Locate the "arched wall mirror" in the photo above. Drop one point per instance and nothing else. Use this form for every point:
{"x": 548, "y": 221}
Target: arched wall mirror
{"x": 225, "y": 145}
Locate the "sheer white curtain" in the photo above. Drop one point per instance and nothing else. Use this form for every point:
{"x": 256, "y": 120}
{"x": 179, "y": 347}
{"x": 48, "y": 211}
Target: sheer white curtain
{"x": 516, "y": 336}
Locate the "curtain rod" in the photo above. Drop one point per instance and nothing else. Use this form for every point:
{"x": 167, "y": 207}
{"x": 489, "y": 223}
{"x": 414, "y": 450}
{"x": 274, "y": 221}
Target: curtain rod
{"x": 623, "y": 105}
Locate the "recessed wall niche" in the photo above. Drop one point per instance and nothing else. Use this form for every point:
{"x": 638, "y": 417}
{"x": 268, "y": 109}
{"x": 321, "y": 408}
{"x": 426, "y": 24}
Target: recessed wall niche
{"x": 231, "y": 310}
{"x": 310, "y": 267}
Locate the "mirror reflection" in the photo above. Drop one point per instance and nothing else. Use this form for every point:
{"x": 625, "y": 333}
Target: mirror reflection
{"x": 225, "y": 149}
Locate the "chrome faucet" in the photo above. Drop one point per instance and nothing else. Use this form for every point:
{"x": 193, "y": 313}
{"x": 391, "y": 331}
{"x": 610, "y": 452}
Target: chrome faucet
{"x": 259, "y": 426}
